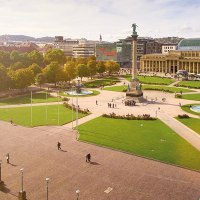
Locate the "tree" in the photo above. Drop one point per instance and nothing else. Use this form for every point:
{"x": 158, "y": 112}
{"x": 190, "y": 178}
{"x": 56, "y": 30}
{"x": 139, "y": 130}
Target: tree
{"x": 17, "y": 65}
{"x": 70, "y": 70}
{"x": 14, "y": 57}
{"x": 92, "y": 67}
{"x": 36, "y": 57}
{"x": 112, "y": 66}
{"x": 51, "y": 71}
{"x": 101, "y": 67}
{"x": 5, "y": 58}
{"x": 55, "y": 55}
{"x": 4, "y": 78}
{"x": 82, "y": 71}
{"x": 22, "y": 78}
{"x": 35, "y": 69}
{"x": 40, "y": 79}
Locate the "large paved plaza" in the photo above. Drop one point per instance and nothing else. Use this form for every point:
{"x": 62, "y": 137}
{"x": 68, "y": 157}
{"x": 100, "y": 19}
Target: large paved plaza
{"x": 112, "y": 175}
{"x": 130, "y": 177}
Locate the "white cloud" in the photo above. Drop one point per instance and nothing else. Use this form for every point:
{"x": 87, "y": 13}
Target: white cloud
{"x": 89, "y": 18}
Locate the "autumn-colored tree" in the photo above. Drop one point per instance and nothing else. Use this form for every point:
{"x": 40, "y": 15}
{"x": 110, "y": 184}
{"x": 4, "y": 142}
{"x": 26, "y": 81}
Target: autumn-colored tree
{"x": 112, "y": 66}
{"x": 82, "y": 71}
{"x": 51, "y": 72}
{"x": 55, "y": 55}
{"x": 22, "y": 78}
{"x": 35, "y": 68}
{"x": 70, "y": 70}
{"x": 101, "y": 67}
{"x": 92, "y": 68}
{"x": 36, "y": 57}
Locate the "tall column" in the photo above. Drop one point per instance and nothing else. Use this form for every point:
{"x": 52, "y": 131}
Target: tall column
{"x": 134, "y": 57}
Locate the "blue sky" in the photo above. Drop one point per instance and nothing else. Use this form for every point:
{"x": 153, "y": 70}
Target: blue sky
{"x": 110, "y": 18}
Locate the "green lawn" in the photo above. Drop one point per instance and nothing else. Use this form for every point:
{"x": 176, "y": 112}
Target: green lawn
{"x": 186, "y": 108}
{"x": 195, "y": 97}
{"x": 152, "y": 80}
{"x": 93, "y": 94}
{"x": 22, "y": 115}
{"x": 190, "y": 84}
{"x": 39, "y": 97}
{"x": 151, "y": 87}
{"x": 192, "y": 123}
{"x": 101, "y": 82}
{"x": 152, "y": 139}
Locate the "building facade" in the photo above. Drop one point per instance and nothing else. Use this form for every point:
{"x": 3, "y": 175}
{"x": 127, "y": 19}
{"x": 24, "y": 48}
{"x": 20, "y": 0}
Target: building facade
{"x": 168, "y": 47}
{"x": 171, "y": 62}
{"x": 75, "y": 47}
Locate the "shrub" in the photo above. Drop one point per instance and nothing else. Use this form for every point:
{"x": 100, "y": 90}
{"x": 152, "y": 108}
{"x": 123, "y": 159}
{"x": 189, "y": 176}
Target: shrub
{"x": 183, "y": 116}
{"x": 83, "y": 111}
{"x": 129, "y": 117}
{"x": 178, "y": 96}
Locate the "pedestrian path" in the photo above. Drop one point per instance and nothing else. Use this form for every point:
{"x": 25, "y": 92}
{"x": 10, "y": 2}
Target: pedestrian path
{"x": 173, "y": 84}
{"x": 82, "y": 120}
{"x": 188, "y": 134}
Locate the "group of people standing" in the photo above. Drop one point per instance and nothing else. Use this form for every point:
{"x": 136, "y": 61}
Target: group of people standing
{"x": 130, "y": 103}
{"x": 112, "y": 105}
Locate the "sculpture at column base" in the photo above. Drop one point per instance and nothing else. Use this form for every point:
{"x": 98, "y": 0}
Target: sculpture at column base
{"x": 134, "y": 92}
{"x": 1, "y": 185}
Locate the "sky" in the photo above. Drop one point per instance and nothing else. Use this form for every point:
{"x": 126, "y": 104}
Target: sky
{"x": 110, "y": 18}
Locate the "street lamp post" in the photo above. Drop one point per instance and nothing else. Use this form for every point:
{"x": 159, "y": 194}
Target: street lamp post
{"x": 77, "y": 194}
{"x": 72, "y": 107}
{"x": 22, "y": 193}
{"x": 1, "y": 182}
{"x": 47, "y": 188}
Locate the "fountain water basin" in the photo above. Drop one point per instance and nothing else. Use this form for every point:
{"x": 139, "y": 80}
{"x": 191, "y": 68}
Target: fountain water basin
{"x": 195, "y": 108}
{"x": 82, "y": 92}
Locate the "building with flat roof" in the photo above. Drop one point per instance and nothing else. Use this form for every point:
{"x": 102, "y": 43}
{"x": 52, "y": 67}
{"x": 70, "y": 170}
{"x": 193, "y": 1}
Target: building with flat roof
{"x": 168, "y": 47}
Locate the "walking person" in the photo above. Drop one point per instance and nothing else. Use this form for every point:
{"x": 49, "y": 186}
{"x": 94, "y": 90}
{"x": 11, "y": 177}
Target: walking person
{"x": 88, "y": 157}
{"x": 8, "y": 158}
{"x": 59, "y": 146}
{"x": 96, "y": 102}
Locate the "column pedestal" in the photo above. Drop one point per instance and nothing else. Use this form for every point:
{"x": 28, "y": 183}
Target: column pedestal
{"x": 1, "y": 185}
{"x": 22, "y": 195}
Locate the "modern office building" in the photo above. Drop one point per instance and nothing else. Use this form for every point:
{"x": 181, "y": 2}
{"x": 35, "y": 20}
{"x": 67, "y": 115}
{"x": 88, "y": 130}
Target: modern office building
{"x": 171, "y": 62}
{"x": 75, "y": 47}
{"x": 121, "y": 51}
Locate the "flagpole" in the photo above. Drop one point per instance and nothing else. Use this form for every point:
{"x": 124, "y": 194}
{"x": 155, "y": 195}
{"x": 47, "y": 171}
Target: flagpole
{"x": 31, "y": 110}
{"x": 72, "y": 109}
{"x": 58, "y": 108}
{"x": 76, "y": 112}
{"x": 46, "y": 107}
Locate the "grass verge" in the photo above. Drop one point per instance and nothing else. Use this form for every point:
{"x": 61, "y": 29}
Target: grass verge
{"x": 151, "y": 139}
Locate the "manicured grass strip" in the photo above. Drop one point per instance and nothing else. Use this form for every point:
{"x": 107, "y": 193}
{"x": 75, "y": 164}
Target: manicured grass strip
{"x": 192, "y": 123}
{"x": 152, "y": 80}
{"x": 93, "y": 94}
{"x": 152, "y": 139}
{"x": 186, "y": 108}
{"x": 101, "y": 82}
{"x": 22, "y": 115}
{"x": 195, "y": 97}
{"x": 39, "y": 97}
{"x": 165, "y": 88}
{"x": 190, "y": 84}
{"x": 151, "y": 87}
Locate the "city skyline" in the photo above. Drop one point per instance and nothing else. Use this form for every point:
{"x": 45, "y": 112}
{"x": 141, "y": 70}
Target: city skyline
{"x": 90, "y": 18}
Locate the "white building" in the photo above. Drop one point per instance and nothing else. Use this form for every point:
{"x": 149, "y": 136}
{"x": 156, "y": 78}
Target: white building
{"x": 168, "y": 47}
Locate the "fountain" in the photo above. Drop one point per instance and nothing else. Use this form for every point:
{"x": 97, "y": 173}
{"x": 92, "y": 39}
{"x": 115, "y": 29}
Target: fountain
{"x": 195, "y": 108}
{"x": 78, "y": 90}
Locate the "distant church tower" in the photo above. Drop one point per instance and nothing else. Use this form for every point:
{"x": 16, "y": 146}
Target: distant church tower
{"x": 100, "y": 38}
